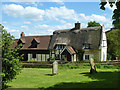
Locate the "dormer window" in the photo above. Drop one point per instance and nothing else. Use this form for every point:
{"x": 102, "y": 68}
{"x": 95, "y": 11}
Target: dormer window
{"x": 21, "y": 41}
{"x": 86, "y": 46}
{"x": 34, "y": 43}
{"x": 59, "y": 46}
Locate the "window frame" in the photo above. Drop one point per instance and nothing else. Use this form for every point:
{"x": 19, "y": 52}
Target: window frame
{"x": 88, "y": 58}
{"x": 34, "y": 55}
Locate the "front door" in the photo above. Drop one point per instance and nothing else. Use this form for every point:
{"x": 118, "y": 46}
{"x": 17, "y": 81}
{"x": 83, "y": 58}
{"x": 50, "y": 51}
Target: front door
{"x": 68, "y": 57}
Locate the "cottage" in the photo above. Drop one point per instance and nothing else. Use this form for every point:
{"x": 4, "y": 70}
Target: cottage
{"x": 68, "y": 45}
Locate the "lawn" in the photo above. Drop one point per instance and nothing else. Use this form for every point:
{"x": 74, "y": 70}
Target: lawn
{"x": 66, "y": 78}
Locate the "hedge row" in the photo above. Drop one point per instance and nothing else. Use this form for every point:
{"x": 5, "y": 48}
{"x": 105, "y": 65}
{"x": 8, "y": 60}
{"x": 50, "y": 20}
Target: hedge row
{"x": 69, "y": 65}
{"x": 99, "y": 66}
{"x": 33, "y": 65}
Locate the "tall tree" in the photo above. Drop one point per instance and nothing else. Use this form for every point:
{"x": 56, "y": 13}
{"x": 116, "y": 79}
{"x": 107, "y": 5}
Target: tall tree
{"x": 113, "y": 40}
{"x": 10, "y": 58}
{"x": 93, "y": 24}
{"x": 116, "y": 15}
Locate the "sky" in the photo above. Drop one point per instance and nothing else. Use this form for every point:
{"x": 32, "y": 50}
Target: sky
{"x": 42, "y": 18}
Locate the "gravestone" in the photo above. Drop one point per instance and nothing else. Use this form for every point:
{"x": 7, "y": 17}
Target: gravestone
{"x": 92, "y": 64}
{"x": 55, "y": 67}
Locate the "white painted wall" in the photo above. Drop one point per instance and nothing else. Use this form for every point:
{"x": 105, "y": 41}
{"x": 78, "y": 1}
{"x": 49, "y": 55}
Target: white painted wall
{"x": 103, "y": 45}
{"x": 75, "y": 57}
{"x": 90, "y": 55}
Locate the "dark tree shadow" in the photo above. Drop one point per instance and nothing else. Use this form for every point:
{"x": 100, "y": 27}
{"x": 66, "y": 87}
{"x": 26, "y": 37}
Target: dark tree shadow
{"x": 50, "y": 74}
{"x": 104, "y": 80}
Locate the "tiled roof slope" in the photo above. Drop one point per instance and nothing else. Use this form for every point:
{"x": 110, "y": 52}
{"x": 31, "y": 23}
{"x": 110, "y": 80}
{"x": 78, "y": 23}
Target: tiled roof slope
{"x": 43, "y": 42}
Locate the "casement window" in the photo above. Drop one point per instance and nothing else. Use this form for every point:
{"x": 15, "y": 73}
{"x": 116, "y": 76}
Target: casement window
{"x": 86, "y": 46}
{"x": 20, "y": 42}
{"x": 57, "y": 57}
{"x": 33, "y": 55}
{"x": 34, "y": 44}
{"x": 87, "y": 57}
{"x": 59, "y": 46}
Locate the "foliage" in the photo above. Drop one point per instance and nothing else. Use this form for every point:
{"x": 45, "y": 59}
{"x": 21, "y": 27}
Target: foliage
{"x": 96, "y": 59}
{"x": 87, "y": 66}
{"x": 36, "y": 65}
{"x": 10, "y": 59}
{"x": 93, "y": 24}
{"x": 38, "y": 62}
{"x": 116, "y": 15}
{"x": 113, "y": 40}
{"x": 31, "y": 61}
{"x": 52, "y": 58}
{"x": 80, "y": 55}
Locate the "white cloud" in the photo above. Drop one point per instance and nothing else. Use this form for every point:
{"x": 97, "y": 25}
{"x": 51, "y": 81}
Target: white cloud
{"x": 25, "y": 27}
{"x": 36, "y": 14}
{"x": 50, "y": 29}
{"x": 12, "y": 30}
{"x": 57, "y": 1}
{"x": 27, "y": 22}
{"x": 108, "y": 26}
{"x": 93, "y": 17}
{"x": 62, "y": 12}
{"x": 4, "y": 22}
{"x": 53, "y": 13}
{"x": 31, "y": 13}
{"x": 64, "y": 26}
{"x": 62, "y": 21}
{"x": 59, "y": 14}
{"x": 14, "y": 10}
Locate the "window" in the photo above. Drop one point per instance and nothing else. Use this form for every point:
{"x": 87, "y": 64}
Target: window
{"x": 87, "y": 57}
{"x": 87, "y": 46}
{"x": 57, "y": 56}
{"x": 104, "y": 41}
{"x": 34, "y": 44}
{"x": 33, "y": 55}
{"x": 58, "y": 47}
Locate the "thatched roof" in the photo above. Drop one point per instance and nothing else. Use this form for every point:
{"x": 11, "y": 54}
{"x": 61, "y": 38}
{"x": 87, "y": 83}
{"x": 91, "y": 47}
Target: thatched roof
{"x": 77, "y": 38}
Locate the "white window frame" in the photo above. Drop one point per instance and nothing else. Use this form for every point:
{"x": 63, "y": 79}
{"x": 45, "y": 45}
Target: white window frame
{"x": 88, "y": 57}
{"x": 87, "y": 46}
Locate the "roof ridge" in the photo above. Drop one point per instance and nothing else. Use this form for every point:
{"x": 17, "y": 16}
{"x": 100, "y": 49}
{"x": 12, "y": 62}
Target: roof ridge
{"x": 39, "y": 36}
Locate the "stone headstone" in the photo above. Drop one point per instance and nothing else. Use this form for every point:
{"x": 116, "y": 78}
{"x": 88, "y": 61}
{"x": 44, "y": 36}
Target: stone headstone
{"x": 93, "y": 69}
{"x": 55, "y": 67}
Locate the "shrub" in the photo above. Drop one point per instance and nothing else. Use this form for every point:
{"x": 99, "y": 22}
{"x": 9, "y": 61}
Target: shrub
{"x": 10, "y": 58}
{"x": 31, "y": 61}
{"x": 30, "y": 65}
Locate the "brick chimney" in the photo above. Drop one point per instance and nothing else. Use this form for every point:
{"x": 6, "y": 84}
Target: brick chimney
{"x": 77, "y": 25}
{"x": 22, "y": 34}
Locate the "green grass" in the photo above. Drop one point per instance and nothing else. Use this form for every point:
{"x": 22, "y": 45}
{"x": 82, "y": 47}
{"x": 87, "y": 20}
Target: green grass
{"x": 66, "y": 78}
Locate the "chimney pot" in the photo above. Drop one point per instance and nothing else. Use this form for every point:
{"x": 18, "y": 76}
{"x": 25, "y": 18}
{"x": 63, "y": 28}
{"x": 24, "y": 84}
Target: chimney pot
{"x": 77, "y": 25}
{"x": 22, "y": 34}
